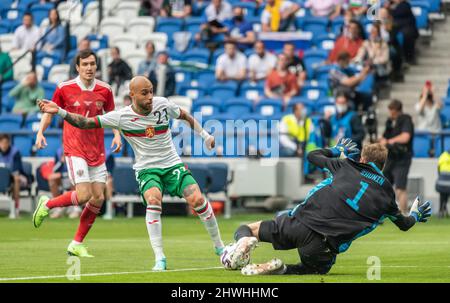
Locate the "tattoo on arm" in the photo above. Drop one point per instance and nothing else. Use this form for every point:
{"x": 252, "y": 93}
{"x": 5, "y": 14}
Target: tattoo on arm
{"x": 80, "y": 121}
{"x": 188, "y": 191}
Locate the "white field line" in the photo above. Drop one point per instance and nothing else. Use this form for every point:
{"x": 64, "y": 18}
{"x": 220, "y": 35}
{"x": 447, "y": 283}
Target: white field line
{"x": 109, "y": 274}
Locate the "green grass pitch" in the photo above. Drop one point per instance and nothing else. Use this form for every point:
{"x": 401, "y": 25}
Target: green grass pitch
{"x": 123, "y": 253}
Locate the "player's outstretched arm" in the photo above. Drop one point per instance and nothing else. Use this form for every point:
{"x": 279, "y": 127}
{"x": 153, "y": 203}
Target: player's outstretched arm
{"x": 418, "y": 213}
{"x": 209, "y": 139}
{"x": 76, "y": 120}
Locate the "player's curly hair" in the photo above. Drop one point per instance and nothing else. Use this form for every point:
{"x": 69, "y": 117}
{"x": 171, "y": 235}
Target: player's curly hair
{"x": 376, "y": 153}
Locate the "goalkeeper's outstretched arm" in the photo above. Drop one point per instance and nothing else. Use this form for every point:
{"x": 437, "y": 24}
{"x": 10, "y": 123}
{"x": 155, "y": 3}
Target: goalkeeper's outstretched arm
{"x": 324, "y": 158}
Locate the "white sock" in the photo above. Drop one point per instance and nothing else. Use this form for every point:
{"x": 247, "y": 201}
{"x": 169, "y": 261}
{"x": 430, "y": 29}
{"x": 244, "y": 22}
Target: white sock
{"x": 206, "y": 215}
{"x": 75, "y": 242}
{"x": 154, "y": 229}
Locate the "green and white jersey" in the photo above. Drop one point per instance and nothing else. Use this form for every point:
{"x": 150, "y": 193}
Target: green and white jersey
{"x": 149, "y": 136}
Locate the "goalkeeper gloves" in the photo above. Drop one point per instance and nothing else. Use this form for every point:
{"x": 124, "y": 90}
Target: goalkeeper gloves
{"x": 420, "y": 213}
{"x": 346, "y": 148}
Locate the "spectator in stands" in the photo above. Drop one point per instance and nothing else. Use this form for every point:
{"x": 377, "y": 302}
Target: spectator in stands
{"x": 163, "y": 76}
{"x": 405, "y": 23}
{"x": 26, "y": 93}
{"x": 324, "y": 8}
{"x": 176, "y": 8}
{"x": 350, "y": 41}
{"x": 261, "y": 63}
{"x": 442, "y": 183}
{"x": 6, "y": 69}
{"x": 84, "y": 44}
{"x": 428, "y": 111}
{"x": 231, "y": 65}
{"x": 296, "y": 133}
{"x": 375, "y": 52}
{"x": 213, "y": 29}
{"x": 240, "y": 31}
{"x": 118, "y": 70}
{"x": 11, "y": 158}
{"x": 344, "y": 79}
{"x": 27, "y": 35}
{"x": 398, "y": 138}
{"x": 295, "y": 64}
{"x": 55, "y": 41}
{"x": 278, "y": 15}
{"x": 150, "y": 8}
{"x": 146, "y": 65}
{"x": 357, "y": 7}
{"x": 346, "y": 123}
{"x": 281, "y": 83}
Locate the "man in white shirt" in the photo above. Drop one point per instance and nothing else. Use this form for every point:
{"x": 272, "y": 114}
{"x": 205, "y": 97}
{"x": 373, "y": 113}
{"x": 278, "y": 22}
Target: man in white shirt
{"x": 261, "y": 62}
{"x": 26, "y": 35}
{"x": 231, "y": 65}
{"x": 218, "y": 10}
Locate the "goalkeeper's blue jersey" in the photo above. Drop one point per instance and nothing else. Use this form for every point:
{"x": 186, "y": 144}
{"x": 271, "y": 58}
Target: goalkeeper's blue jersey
{"x": 352, "y": 202}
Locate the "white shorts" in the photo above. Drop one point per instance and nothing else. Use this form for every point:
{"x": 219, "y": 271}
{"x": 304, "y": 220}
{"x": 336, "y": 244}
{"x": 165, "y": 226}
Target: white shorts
{"x": 80, "y": 172}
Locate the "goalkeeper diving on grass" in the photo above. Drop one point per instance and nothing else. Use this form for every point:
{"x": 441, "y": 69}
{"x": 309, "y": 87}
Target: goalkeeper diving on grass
{"x": 352, "y": 202}
{"x": 145, "y": 125}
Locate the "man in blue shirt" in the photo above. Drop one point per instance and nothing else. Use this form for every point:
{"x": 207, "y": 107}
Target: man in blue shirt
{"x": 240, "y": 31}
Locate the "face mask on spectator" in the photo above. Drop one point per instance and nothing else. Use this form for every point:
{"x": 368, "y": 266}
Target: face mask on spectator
{"x": 340, "y": 108}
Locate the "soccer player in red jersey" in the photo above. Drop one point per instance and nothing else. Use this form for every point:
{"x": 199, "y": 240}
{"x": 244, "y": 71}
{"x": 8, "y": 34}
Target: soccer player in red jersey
{"x": 84, "y": 149}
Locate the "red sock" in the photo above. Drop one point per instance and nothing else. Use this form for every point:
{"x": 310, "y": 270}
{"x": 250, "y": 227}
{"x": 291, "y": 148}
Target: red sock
{"x": 87, "y": 218}
{"x": 67, "y": 199}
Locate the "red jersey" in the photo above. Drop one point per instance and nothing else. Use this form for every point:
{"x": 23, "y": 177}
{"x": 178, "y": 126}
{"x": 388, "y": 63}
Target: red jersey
{"x": 74, "y": 97}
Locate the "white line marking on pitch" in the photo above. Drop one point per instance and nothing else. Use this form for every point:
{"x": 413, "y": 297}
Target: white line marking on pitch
{"x": 109, "y": 274}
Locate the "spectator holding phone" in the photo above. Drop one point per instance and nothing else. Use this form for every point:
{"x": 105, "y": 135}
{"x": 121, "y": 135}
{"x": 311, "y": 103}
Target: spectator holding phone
{"x": 428, "y": 110}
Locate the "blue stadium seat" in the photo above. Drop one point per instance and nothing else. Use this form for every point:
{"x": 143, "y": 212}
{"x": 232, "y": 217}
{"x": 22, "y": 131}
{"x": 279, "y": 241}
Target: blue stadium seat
{"x": 49, "y": 89}
{"x": 32, "y": 122}
{"x": 316, "y": 25}
{"x": 24, "y": 144}
{"x": 422, "y": 144}
{"x": 446, "y": 101}
{"x": 169, "y": 25}
{"x": 124, "y": 180}
{"x": 269, "y": 107}
{"x": 207, "y": 106}
{"x": 314, "y": 93}
{"x": 322, "y": 72}
{"x": 216, "y": 55}
{"x": 98, "y": 42}
{"x": 336, "y": 25}
{"x": 4, "y": 27}
{"x": 252, "y": 91}
{"x": 312, "y": 59}
{"x": 53, "y": 143}
{"x": 325, "y": 41}
{"x": 435, "y": 5}
{"x": 420, "y": 10}
{"x": 193, "y": 24}
{"x": 192, "y": 92}
{"x": 10, "y": 122}
{"x": 441, "y": 144}
{"x": 6, "y": 3}
{"x": 309, "y": 105}
{"x": 201, "y": 174}
{"x": 239, "y": 106}
{"x": 224, "y": 90}
{"x": 40, "y": 12}
{"x": 183, "y": 78}
{"x": 47, "y": 61}
{"x": 445, "y": 114}
{"x": 26, "y": 4}
{"x": 200, "y": 55}
{"x": 204, "y": 78}
{"x": 219, "y": 177}
{"x": 12, "y": 13}
{"x": 321, "y": 104}
{"x": 248, "y": 7}
{"x": 7, "y": 102}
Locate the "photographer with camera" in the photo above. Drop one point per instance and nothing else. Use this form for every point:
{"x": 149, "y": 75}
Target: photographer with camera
{"x": 398, "y": 138}
{"x": 428, "y": 111}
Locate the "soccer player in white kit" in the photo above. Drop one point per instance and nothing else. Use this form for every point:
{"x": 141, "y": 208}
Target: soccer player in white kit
{"x": 145, "y": 125}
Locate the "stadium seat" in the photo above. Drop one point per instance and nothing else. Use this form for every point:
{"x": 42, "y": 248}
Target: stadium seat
{"x": 197, "y": 55}
{"x": 133, "y": 58}
{"x": 32, "y": 122}
{"x": 249, "y": 8}
{"x": 325, "y": 41}
{"x": 141, "y": 26}
{"x": 204, "y": 78}
{"x": 47, "y": 61}
{"x": 309, "y": 105}
{"x": 10, "y": 122}
{"x": 445, "y": 113}
{"x": 269, "y": 107}
{"x": 315, "y": 25}
{"x": 219, "y": 177}
{"x": 7, "y": 102}
{"x": 81, "y": 30}
{"x": 6, "y": 42}
{"x": 314, "y": 93}
{"x": 207, "y": 106}
{"x": 193, "y": 24}
{"x": 159, "y": 39}
{"x": 5, "y": 27}
{"x": 184, "y": 103}
{"x": 91, "y": 13}
{"x": 252, "y": 91}
{"x": 12, "y": 13}
{"x": 169, "y": 25}
{"x": 53, "y": 143}
{"x": 128, "y": 10}
{"x": 59, "y": 73}
{"x": 98, "y": 42}
{"x": 5, "y": 180}
{"x": 238, "y": 106}
{"x": 322, "y": 72}
{"x": 76, "y": 13}
{"x": 224, "y": 90}
{"x": 112, "y": 26}
{"x": 40, "y": 12}
{"x": 28, "y": 171}
{"x": 125, "y": 43}
{"x": 441, "y": 144}
{"x": 312, "y": 59}
{"x": 182, "y": 77}
{"x": 201, "y": 174}
{"x": 49, "y": 89}
{"x": 23, "y": 143}
{"x": 422, "y": 144}
{"x": 336, "y": 25}
{"x": 323, "y": 103}
{"x": 420, "y": 10}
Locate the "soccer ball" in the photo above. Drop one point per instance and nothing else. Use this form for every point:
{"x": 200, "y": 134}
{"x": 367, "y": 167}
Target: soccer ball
{"x": 229, "y": 260}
